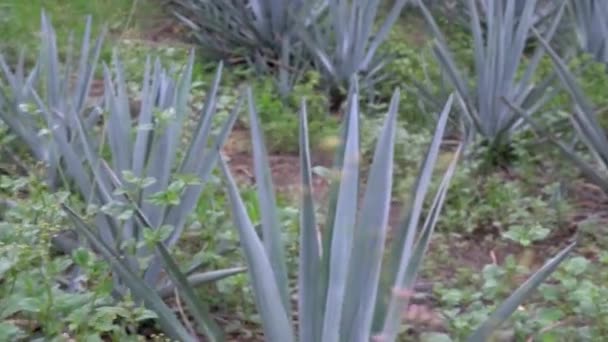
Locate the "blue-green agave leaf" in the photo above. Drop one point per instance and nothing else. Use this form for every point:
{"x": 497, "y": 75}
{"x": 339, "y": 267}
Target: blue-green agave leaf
{"x": 340, "y": 248}
{"x": 272, "y": 237}
{"x": 310, "y": 307}
{"x": 198, "y": 279}
{"x": 370, "y": 235}
{"x": 261, "y": 274}
{"x": 402, "y": 248}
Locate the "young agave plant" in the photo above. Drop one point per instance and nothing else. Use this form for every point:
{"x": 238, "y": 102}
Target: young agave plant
{"x": 499, "y": 58}
{"x": 62, "y": 88}
{"x": 148, "y": 187}
{"x": 350, "y": 286}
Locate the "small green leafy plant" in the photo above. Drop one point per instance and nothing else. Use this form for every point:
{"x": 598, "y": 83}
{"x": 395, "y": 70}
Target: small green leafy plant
{"x": 280, "y": 119}
{"x": 42, "y": 295}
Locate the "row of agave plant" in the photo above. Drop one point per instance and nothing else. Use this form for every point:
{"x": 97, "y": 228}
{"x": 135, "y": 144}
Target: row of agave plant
{"x": 502, "y": 96}
{"x": 352, "y": 286}
{"x": 505, "y": 71}
{"x": 342, "y": 38}
{"x": 287, "y": 37}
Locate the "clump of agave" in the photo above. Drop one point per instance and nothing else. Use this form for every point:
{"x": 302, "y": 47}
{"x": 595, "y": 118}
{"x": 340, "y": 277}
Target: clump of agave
{"x": 352, "y": 286}
{"x": 502, "y": 68}
{"x": 338, "y": 37}
{"x": 260, "y": 32}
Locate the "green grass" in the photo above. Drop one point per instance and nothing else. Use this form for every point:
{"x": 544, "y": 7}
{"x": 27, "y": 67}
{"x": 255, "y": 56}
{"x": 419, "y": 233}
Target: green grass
{"x": 20, "y": 20}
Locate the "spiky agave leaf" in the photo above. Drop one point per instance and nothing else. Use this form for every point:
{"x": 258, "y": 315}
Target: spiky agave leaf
{"x": 370, "y": 235}
{"x": 277, "y": 326}
{"x": 404, "y": 257}
{"x": 310, "y": 303}
{"x": 270, "y": 222}
{"x": 340, "y": 243}
{"x": 198, "y": 279}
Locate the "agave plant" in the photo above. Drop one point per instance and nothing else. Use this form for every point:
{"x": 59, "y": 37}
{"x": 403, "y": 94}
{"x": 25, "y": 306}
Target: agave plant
{"x": 142, "y": 166}
{"x": 260, "y": 32}
{"x": 585, "y": 122}
{"x": 61, "y": 86}
{"x": 336, "y": 36}
{"x": 350, "y": 286}
{"x": 591, "y": 27}
{"x": 229, "y": 28}
{"x": 501, "y": 69}
{"x": 147, "y": 187}
{"x": 139, "y": 180}
{"x": 346, "y": 43}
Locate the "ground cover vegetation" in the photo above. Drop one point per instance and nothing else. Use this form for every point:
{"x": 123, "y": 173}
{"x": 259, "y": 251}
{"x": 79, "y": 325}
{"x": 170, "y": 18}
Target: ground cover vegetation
{"x": 328, "y": 170}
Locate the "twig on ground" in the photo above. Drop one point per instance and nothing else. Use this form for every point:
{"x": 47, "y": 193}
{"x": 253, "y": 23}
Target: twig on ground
{"x": 183, "y": 314}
